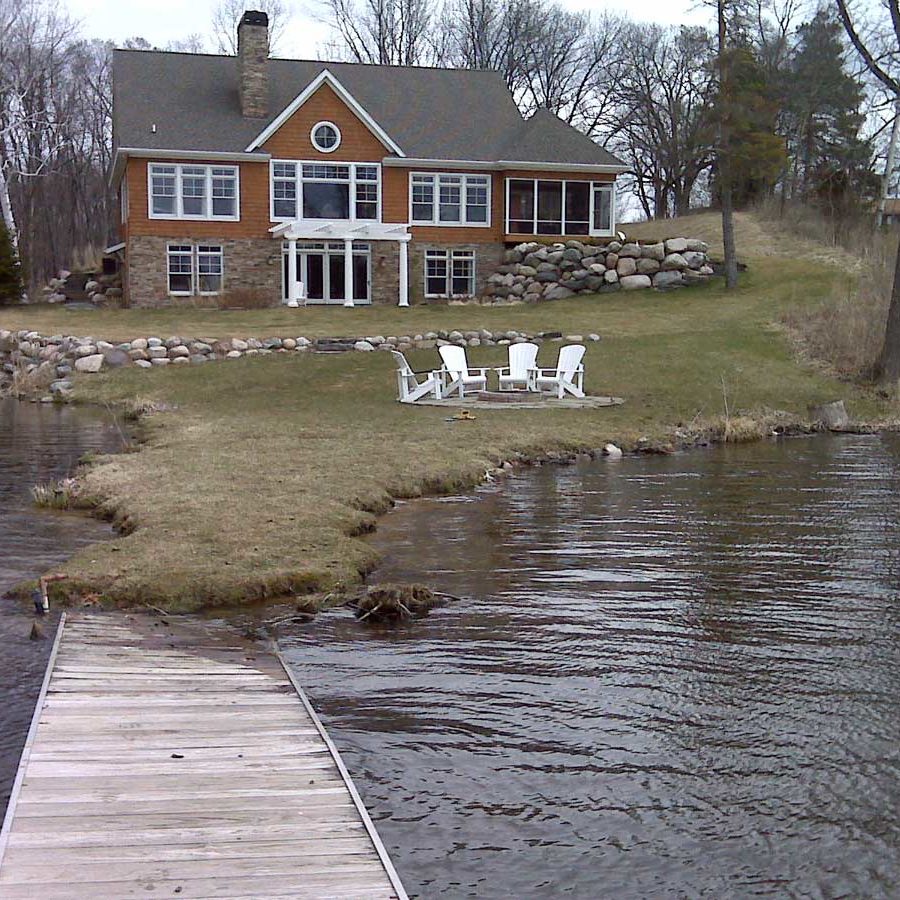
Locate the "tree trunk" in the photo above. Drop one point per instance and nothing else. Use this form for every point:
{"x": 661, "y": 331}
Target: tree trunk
{"x": 724, "y": 163}
{"x": 6, "y": 211}
{"x": 889, "y": 361}
{"x": 889, "y": 164}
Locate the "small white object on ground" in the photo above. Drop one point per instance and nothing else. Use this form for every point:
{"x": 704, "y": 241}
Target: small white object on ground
{"x": 612, "y": 451}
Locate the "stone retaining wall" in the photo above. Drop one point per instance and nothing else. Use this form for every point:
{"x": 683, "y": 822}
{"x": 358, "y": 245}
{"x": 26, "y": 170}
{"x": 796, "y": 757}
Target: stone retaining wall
{"x": 534, "y": 272}
{"x": 50, "y": 362}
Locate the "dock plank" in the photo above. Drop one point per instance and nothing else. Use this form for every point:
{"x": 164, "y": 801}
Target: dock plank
{"x": 156, "y": 768}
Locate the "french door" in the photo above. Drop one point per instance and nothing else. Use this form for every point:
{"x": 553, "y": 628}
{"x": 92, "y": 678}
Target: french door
{"x": 320, "y": 267}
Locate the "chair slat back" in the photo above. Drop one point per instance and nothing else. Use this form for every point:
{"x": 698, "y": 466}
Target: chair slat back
{"x": 522, "y": 357}
{"x": 403, "y": 366}
{"x": 570, "y": 358}
{"x": 454, "y": 359}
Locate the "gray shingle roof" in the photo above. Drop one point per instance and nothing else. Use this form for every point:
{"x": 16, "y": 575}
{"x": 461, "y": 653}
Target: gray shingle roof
{"x": 431, "y": 113}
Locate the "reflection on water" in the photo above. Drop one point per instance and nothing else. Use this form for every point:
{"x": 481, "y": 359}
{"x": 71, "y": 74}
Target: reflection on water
{"x": 37, "y": 443}
{"x": 667, "y": 677}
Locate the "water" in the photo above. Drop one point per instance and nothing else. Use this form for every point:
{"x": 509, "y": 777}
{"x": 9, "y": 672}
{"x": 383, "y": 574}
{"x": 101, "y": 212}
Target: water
{"x": 37, "y": 443}
{"x": 666, "y": 677}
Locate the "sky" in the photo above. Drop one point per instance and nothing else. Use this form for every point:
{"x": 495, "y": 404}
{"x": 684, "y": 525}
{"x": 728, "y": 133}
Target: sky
{"x": 162, "y": 21}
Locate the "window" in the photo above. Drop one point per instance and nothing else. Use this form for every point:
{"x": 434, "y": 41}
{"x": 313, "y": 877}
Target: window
{"x": 194, "y": 270}
{"x": 449, "y": 273}
{"x": 181, "y": 269}
{"x": 123, "y": 201}
{"x": 444, "y": 199}
{"x": 547, "y": 206}
{"x": 325, "y": 137}
{"x": 193, "y": 192}
{"x": 347, "y": 191}
{"x": 209, "y": 269}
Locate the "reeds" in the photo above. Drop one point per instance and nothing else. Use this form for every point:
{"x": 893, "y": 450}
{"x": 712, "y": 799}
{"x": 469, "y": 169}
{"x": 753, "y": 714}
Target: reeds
{"x": 60, "y": 494}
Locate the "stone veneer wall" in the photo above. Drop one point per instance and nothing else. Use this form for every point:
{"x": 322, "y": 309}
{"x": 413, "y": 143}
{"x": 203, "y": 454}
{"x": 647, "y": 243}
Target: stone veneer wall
{"x": 487, "y": 258}
{"x": 250, "y": 264}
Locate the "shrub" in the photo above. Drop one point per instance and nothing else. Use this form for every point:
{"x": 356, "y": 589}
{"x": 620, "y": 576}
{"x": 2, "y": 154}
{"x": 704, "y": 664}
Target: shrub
{"x": 245, "y": 298}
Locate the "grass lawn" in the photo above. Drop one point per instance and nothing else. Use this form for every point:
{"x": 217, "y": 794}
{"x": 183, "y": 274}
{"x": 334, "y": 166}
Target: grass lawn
{"x": 261, "y": 473}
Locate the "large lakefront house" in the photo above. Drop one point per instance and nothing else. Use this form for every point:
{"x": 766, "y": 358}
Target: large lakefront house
{"x": 324, "y": 182}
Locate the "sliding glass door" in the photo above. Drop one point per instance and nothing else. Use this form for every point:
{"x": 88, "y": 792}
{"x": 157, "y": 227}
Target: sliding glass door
{"x": 321, "y": 269}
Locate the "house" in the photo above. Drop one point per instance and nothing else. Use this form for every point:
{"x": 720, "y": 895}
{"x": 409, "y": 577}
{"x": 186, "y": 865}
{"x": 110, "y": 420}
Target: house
{"x": 335, "y": 182}
{"x": 891, "y": 211}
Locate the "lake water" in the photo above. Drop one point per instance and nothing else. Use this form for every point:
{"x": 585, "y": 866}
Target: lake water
{"x": 666, "y": 677}
{"x": 37, "y": 443}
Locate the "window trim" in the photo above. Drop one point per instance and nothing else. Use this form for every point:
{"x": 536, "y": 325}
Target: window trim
{"x": 448, "y": 256}
{"x": 208, "y": 198}
{"x": 594, "y": 187}
{"x": 434, "y": 221}
{"x": 312, "y": 136}
{"x": 195, "y": 268}
{"x": 298, "y": 178}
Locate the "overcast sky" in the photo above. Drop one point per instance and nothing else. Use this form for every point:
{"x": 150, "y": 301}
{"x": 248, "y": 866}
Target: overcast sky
{"x": 162, "y": 21}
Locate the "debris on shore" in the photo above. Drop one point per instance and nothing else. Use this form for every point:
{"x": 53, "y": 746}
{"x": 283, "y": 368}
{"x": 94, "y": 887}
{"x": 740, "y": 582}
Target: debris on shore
{"x": 395, "y": 602}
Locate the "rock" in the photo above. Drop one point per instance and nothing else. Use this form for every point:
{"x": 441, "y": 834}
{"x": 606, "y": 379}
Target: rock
{"x": 91, "y": 286}
{"x": 707, "y": 270}
{"x": 698, "y": 246}
{"x": 635, "y": 282}
{"x": 557, "y": 292}
{"x": 365, "y": 346}
{"x": 574, "y": 338}
{"x": 630, "y": 250}
{"x": 676, "y": 245}
{"x": 85, "y": 350}
{"x": 573, "y": 254}
{"x": 555, "y": 257}
{"x": 513, "y": 256}
{"x": 181, "y": 361}
{"x": 153, "y": 342}
{"x": 654, "y": 251}
{"x": 233, "y": 354}
{"x": 832, "y": 415}
{"x": 158, "y": 353}
{"x": 665, "y": 280}
{"x": 593, "y": 282}
{"x": 674, "y": 261}
{"x": 594, "y": 337}
{"x": 143, "y": 363}
{"x": 160, "y": 361}
{"x": 179, "y": 351}
{"x": 610, "y": 276}
{"x": 626, "y": 266}
{"x": 139, "y": 344}
{"x": 114, "y": 292}
{"x": 199, "y": 358}
{"x": 473, "y": 342}
{"x": 60, "y": 387}
{"x": 597, "y": 268}
{"x": 612, "y": 451}
{"x": 613, "y": 247}
{"x": 289, "y": 344}
{"x": 694, "y": 259}
{"x": 612, "y": 260}
{"x": 89, "y": 364}
{"x": 103, "y": 346}
{"x": 647, "y": 266}
{"x": 547, "y": 277}
{"x": 238, "y": 344}
{"x": 527, "y": 271}
{"x": 115, "y": 358}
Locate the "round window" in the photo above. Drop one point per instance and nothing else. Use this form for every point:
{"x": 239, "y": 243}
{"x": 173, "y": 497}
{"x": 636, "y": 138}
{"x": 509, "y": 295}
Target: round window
{"x": 325, "y": 137}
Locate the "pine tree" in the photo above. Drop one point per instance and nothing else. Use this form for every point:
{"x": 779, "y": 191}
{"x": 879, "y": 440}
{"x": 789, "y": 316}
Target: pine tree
{"x": 11, "y": 287}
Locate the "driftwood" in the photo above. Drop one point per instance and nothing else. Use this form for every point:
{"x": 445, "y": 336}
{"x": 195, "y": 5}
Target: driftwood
{"x": 832, "y": 415}
{"x": 394, "y": 602}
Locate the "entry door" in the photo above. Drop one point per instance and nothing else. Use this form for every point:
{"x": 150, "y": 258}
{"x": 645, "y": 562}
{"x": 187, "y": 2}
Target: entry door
{"x": 312, "y": 269}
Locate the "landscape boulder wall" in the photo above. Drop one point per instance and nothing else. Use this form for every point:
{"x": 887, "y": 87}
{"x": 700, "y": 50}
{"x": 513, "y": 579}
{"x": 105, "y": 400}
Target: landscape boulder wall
{"x": 532, "y": 271}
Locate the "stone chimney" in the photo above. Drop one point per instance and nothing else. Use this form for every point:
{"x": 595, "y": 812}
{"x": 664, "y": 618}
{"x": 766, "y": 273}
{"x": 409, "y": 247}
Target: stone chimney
{"x": 253, "y": 65}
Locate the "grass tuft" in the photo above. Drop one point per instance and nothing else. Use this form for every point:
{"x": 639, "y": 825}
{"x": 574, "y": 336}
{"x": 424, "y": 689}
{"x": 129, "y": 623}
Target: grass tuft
{"x": 61, "y": 494}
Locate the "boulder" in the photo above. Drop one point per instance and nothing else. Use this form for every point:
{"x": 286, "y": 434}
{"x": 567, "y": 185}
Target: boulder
{"x": 143, "y": 363}
{"x": 593, "y": 282}
{"x": 707, "y": 270}
{"x": 89, "y": 364}
{"x": 647, "y": 266}
{"x": 573, "y": 254}
{"x": 597, "y": 268}
{"x": 181, "y": 361}
{"x": 160, "y": 361}
{"x": 698, "y": 246}
{"x": 557, "y": 292}
{"x": 674, "y": 261}
{"x": 612, "y": 260}
{"x": 62, "y": 386}
{"x": 610, "y": 276}
{"x": 555, "y": 256}
{"x": 179, "y": 351}
{"x": 694, "y": 258}
{"x": 238, "y": 344}
{"x": 115, "y": 358}
{"x": 365, "y": 346}
{"x": 626, "y": 266}
{"x": 654, "y": 251}
{"x": 635, "y": 282}
{"x": 667, "y": 279}
{"x": 139, "y": 344}
{"x": 158, "y": 353}
{"x": 676, "y": 245}
{"x": 289, "y": 344}
{"x": 528, "y": 271}
{"x": 633, "y": 251}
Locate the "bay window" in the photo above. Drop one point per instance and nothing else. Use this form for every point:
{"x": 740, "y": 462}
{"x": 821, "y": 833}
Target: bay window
{"x": 449, "y": 273}
{"x": 449, "y": 199}
{"x": 193, "y": 192}
{"x": 347, "y": 191}
{"x": 194, "y": 269}
{"x": 558, "y": 206}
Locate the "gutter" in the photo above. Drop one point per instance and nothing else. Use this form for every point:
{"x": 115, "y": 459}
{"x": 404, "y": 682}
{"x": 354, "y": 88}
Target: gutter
{"x": 122, "y": 154}
{"x": 504, "y": 164}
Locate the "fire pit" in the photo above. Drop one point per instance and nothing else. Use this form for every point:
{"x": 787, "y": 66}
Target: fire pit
{"x": 510, "y": 396}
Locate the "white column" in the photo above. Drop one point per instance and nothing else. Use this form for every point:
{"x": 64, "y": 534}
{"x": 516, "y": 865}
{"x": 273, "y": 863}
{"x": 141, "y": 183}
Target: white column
{"x": 348, "y": 272}
{"x": 404, "y": 274}
{"x": 292, "y": 271}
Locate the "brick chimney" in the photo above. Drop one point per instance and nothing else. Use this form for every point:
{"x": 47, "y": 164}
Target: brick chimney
{"x": 253, "y": 66}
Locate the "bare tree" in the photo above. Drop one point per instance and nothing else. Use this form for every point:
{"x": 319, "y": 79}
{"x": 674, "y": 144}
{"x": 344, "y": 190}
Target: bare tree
{"x": 227, "y": 15}
{"x": 386, "y": 32}
{"x": 876, "y": 38}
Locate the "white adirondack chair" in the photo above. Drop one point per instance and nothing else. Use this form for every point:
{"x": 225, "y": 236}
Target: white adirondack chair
{"x": 567, "y": 377}
{"x": 457, "y": 375}
{"x": 522, "y": 357}
{"x": 408, "y": 385}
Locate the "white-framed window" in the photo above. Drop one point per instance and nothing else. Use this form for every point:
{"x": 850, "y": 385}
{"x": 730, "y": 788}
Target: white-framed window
{"x": 325, "y": 137}
{"x": 123, "y": 201}
{"x": 559, "y": 206}
{"x": 438, "y": 198}
{"x": 449, "y": 273}
{"x": 193, "y": 192}
{"x": 194, "y": 269}
{"x": 316, "y": 190}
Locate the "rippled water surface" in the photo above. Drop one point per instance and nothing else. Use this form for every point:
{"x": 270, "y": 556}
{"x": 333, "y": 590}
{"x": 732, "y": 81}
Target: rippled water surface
{"x": 666, "y": 677}
{"x": 37, "y": 443}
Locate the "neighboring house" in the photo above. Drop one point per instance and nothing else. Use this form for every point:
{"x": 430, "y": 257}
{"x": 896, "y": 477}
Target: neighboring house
{"x": 331, "y": 182}
{"x": 891, "y": 211}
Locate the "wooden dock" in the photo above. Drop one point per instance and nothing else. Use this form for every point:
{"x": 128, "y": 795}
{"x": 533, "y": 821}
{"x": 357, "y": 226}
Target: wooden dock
{"x": 158, "y": 768}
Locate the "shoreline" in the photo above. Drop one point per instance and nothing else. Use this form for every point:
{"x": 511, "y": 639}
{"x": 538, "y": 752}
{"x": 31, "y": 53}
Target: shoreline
{"x": 313, "y": 598}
